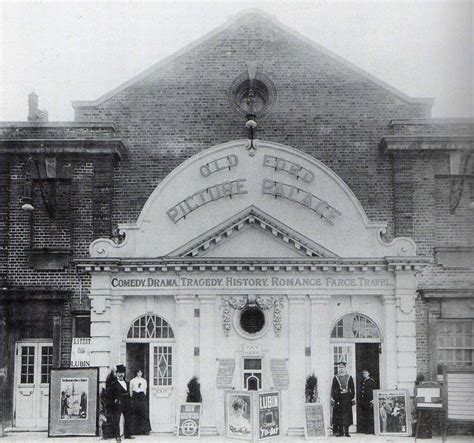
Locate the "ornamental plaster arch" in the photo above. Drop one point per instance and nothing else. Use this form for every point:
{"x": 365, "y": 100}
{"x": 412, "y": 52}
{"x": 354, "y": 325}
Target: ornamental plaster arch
{"x": 211, "y": 187}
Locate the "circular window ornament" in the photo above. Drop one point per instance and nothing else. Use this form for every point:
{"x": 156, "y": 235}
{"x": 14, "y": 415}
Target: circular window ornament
{"x": 263, "y": 89}
{"x": 251, "y": 322}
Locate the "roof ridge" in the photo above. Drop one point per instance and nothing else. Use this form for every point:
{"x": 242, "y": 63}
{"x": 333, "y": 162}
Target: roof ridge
{"x": 232, "y": 20}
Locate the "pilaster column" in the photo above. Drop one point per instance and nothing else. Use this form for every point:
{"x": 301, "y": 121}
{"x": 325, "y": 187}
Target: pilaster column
{"x": 296, "y": 355}
{"x": 184, "y": 344}
{"x": 101, "y": 331}
{"x": 116, "y": 337}
{"x": 391, "y": 357}
{"x": 405, "y": 294}
{"x": 320, "y": 348}
{"x": 207, "y": 363}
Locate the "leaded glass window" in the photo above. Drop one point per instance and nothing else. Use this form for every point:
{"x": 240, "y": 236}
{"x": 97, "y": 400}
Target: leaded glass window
{"x": 354, "y": 326}
{"x": 150, "y": 326}
{"x": 46, "y": 363}
{"x": 162, "y": 366}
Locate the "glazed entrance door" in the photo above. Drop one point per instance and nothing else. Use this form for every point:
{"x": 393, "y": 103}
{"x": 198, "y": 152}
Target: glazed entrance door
{"x": 32, "y": 375}
{"x": 161, "y": 387}
{"x": 346, "y": 352}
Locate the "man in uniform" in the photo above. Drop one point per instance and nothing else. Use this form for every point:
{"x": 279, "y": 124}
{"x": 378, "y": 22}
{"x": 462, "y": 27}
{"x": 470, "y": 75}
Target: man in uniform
{"x": 366, "y": 403}
{"x": 342, "y": 399}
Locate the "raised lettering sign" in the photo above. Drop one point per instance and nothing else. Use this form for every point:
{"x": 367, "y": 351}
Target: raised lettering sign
{"x": 205, "y": 196}
{"x": 294, "y": 169}
{"x": 219, "y": 164}
{"x": 300, "y": 196}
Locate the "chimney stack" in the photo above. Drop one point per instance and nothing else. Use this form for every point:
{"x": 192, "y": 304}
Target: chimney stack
{"x": 35, "y": 114}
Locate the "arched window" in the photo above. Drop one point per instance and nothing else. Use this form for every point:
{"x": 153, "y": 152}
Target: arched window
{"x": 150, "y": 326}
{"x": 354, "y": 326}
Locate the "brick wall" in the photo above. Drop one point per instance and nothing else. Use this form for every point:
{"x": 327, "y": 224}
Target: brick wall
{"x": 322, "y": 108}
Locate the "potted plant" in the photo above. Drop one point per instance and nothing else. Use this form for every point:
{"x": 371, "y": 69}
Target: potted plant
{"x": 311, "y": 389}
{"x": 194, "y": 391}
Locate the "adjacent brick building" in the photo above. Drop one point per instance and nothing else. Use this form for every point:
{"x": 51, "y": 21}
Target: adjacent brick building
{"x": 409, "y": 172}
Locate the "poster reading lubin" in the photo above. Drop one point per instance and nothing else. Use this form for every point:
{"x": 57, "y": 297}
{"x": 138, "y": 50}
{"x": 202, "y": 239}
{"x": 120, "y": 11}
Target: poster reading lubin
{"x": 268, "y": 415}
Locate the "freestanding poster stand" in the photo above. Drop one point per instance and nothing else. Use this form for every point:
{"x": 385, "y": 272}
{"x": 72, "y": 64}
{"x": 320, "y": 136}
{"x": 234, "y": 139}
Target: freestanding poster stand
{"x": 252, "y": 416}
{"x": 429, "y": 403}
{"x": 73, "y": 402}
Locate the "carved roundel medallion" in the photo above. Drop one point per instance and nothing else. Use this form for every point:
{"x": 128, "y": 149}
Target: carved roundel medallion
{"x": 264, "y": 92}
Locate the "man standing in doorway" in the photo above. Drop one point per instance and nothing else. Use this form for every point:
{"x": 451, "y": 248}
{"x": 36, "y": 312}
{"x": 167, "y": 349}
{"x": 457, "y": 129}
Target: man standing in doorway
{"x": 367, "y": 403}
{"x": 342, "y": 399}
{"x": 120, "y": 398}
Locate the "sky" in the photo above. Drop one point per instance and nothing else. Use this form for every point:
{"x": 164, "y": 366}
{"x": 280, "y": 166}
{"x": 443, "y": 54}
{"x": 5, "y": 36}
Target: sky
{"x": 80, "y": 50}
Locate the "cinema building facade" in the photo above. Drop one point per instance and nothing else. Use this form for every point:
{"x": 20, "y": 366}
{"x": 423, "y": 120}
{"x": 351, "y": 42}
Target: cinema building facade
{"x": 252, "y": 257}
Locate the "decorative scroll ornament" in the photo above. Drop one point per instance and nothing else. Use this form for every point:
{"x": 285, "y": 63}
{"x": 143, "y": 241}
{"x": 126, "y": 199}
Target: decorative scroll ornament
{"x": 231, "y": 304}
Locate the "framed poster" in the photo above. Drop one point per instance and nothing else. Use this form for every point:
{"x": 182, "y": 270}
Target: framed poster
{"x": 392, "y": 412}
{"x": 239, "y": 415}
{"x": 268, "y": 415}
{"x": 314, "y": 420}
{"x": 73, "y": 402}
{"x": 189, "y": 419}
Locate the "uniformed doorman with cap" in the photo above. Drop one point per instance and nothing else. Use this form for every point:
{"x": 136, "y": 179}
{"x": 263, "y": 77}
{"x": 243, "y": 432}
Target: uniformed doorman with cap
{"x": 342, "y": 399}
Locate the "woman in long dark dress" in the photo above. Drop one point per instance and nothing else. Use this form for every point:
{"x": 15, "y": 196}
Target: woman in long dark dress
{"x": 138, "y": 391}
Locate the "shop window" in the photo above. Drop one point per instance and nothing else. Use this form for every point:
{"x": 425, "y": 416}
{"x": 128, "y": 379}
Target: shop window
{"x": 150, "y": 326}
{"x": 354, "y": 326}
{"x": 454, "y": 344}
{"x": 81, "y": 326}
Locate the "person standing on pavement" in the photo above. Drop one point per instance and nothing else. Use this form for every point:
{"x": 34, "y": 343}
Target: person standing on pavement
{"x": 342, "y": 399}
{"x": 138, "y": 392}
{"x": 120, "y": 399}
{"x": 367, "y": 403}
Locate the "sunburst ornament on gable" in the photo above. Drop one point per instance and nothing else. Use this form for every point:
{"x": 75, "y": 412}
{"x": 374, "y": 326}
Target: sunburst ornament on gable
{"x": 252, "y": 93}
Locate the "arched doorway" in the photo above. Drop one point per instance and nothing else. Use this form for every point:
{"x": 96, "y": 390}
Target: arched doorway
{"x": 356, "y": 339}
{"x": 150, "y": 347}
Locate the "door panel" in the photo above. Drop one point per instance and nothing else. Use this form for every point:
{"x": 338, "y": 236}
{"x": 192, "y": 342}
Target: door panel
{"x": 32, "y": 369}
{"x": 162, "y": 393}
{"x": 367, "y": 357}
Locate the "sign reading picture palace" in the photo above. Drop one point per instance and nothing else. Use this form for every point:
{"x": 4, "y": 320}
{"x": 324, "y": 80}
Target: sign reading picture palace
{"x": 248, "y": 221}
{"x": 256, "y": 293}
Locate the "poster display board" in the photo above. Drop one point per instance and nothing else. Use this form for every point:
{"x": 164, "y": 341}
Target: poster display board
{"x": 392, "y": 412}
{"x": 314, "y": 420}
{"x": 80, "y": 352}
{"x": 239, "y": 415}
{"x": 253, "y": 415}
{"x": 73, "y": 402}
{"x": 268, "y": 415}
{"x": 189, "y": 420}
{"x": 428, "y": 395}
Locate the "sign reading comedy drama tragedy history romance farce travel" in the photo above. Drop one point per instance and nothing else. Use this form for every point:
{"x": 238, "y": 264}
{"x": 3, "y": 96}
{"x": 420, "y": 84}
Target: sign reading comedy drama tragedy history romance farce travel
{"x": 268, "y": 415}
{"x": 321, "y": 282}
{"x": 314, "y": 420}
{"x": 189, "y": 418}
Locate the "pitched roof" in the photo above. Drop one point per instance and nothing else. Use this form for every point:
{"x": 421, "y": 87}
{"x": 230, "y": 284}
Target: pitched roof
{"x": 235, "y": 19}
